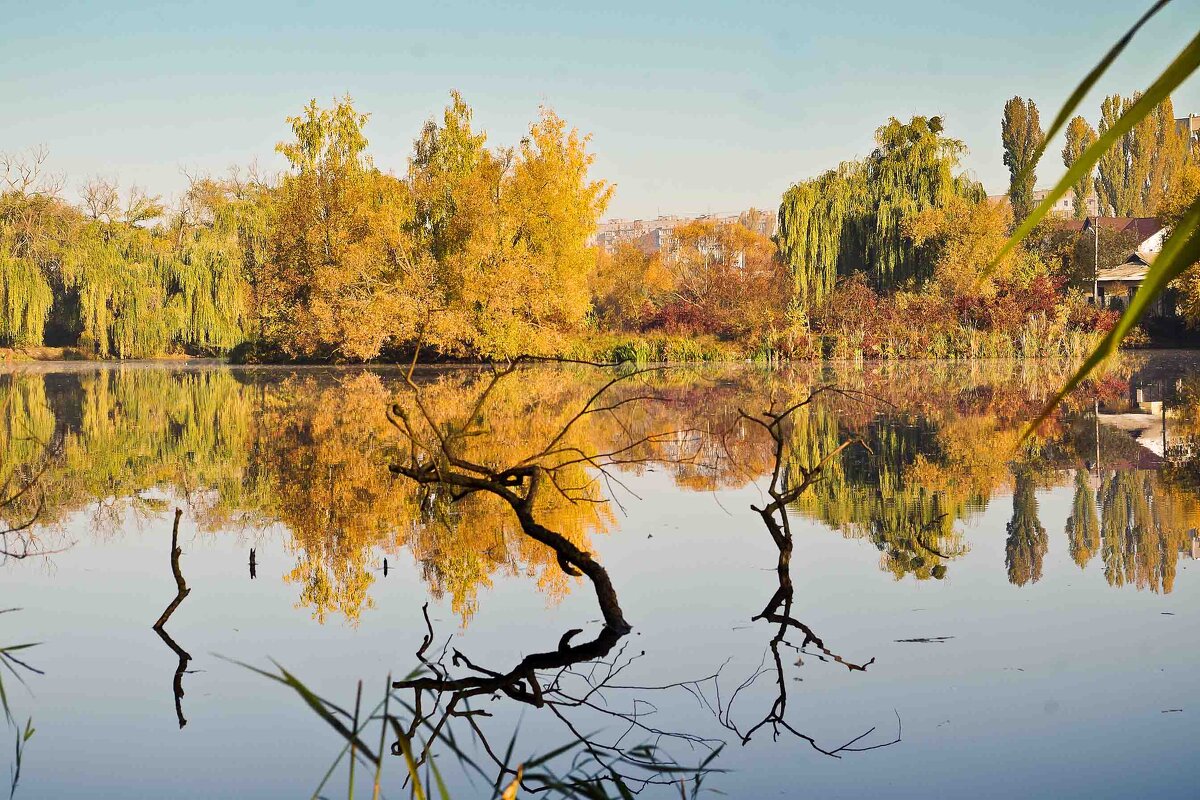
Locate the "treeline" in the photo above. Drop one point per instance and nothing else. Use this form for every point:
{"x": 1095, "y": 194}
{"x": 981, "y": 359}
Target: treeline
{"x": 481, "y": 251}
{"x": 476, "y": 250}
{"x": 905, "y": 236}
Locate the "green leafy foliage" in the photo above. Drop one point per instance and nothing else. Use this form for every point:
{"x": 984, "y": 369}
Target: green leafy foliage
{"x": 851, "y": 219}
{"x": 1022, "y": 137}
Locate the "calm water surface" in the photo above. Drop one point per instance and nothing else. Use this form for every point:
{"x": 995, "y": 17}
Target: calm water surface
{"x": 1028, "y": 623}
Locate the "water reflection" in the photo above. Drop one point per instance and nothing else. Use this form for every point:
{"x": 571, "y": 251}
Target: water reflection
{"x": 181, "y": 592}
{"x": 301, "y": 453}
{"x": 789, "y": 481}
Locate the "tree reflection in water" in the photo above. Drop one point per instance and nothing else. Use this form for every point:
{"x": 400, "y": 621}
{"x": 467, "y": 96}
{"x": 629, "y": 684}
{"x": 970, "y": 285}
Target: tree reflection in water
{"x": 512, "y": 472}
{"x": 789, "y": 481}
{"x": 456, "y": 458}
{"x": 441, "y": 453}
{"x": 303, "y": 451}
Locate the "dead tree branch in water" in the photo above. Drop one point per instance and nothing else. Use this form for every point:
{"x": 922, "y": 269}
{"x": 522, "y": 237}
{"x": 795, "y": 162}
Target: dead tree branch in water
{"x": 435, "y": 457}
{"x": 788, "y": 482}
{"x": 182, "y": 591}
{"x": 559, "y": 682}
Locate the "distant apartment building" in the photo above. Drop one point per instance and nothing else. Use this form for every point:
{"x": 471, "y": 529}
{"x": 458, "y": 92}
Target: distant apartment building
{"x": 655, "y": 235}
{"x": 1190, "y": 125}
{"x": 1063, "y": 207}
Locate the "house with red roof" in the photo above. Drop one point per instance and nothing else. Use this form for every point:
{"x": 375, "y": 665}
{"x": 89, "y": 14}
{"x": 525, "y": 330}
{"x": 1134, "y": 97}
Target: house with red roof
{"x": 1116, "y": 283}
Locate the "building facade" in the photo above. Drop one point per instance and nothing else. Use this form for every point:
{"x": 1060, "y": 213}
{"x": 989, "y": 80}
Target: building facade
{"x": 655, "y": 235}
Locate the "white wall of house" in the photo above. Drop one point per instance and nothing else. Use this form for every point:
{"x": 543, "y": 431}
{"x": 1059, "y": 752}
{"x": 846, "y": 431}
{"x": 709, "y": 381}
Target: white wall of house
{"x": 1154, "y": 243}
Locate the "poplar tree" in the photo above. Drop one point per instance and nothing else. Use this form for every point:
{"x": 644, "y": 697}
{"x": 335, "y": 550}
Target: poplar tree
{"x": 1080, "y": 136}
{"x": 1141, "y": 168}
{"x": 1021, "y": 134}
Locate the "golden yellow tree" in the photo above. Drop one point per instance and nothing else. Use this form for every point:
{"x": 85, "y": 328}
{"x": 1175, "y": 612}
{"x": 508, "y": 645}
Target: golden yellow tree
{"x": 330, "y": 287}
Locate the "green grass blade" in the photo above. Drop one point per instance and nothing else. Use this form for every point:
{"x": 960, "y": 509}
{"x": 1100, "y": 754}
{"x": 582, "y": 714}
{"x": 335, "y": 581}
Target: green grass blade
{"x": 321, "y": 707}
{"x": 555, "y": 753}
{"x": 387, "y": 696}
{"x": 1088, "y": 82}
{"x": 443, "y": 792}
{"x": 1180, "y": 251}
{"x": 508, "y": 753}
{"x": 329, "y": 772}
{"x": 1175, "y": 74}
{"x": 414, "y": 773}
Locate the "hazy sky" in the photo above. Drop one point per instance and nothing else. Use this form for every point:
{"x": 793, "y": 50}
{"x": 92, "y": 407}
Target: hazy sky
{"x": 694, "y": 107}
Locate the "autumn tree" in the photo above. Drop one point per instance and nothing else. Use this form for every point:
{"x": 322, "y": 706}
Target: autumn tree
{"x": 629, "y": 286}
{"x": 1080, "y": 136}
{"x": 1021, "y": 134}
{"x": 1135, "y": 175}
{"x": 329, "y": 288}
{"x": 724, "y": 279}
{"x": 1182, "y": 195}
{"x": 851, "y": 219}
{"x": 962, "y": 239}
{"x": 504, "y": 233}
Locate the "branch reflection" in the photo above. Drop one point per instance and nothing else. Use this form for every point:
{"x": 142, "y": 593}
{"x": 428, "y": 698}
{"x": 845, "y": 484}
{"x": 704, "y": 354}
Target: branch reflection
{"x": 181, "y": 591}
{"x": 789, "y": 480}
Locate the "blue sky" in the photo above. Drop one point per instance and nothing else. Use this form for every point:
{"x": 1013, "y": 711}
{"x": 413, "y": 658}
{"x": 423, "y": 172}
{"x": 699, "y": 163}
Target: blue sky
{"x": 693, "y": 107}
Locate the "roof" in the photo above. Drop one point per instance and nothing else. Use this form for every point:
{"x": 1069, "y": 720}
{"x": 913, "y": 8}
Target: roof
{"x": 1128, "y": 271}
{"x": 1142, "y": 227}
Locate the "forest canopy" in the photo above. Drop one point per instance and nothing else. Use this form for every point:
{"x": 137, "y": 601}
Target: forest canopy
{"x": 475, "y": 250}
{"x": 479, "y": 250}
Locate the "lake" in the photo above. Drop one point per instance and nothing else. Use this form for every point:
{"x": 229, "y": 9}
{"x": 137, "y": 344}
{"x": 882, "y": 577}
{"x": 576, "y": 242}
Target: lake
{"x": 845, "y": 581}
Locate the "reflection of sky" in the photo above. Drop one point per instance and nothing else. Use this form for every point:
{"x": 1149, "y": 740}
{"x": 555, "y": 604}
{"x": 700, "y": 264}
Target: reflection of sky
{"x": 1054, "y": 689}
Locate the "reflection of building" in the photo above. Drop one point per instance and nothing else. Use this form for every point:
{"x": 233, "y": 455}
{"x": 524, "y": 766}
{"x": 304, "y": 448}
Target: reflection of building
{"x": 1144, "y": 417}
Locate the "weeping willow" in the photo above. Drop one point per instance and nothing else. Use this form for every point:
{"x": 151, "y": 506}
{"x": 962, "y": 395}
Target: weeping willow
{"x": 871, "y": 494}
{"x": 850, "y": 219}
{"x": 125, "y": 291}
{"x": 208, "y": 300}
{"x": 120, "y": 294}
{"x": 25, "y": 301}
{"x": 137, "y": 296}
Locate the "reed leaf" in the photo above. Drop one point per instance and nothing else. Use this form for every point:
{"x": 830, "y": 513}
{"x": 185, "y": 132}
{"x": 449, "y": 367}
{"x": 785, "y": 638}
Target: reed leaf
{"x": 1180, "y": 251}
{"x": 1088, "y": 82}
{"x": 1175, "y": 74}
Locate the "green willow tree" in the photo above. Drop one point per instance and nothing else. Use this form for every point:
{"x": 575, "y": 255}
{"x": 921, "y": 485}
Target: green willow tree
{"x": 1079, "y": 137}
{"x": 851, "y": 219}
{"x": 120, "y": 277}
{"x": 1022, "y": 136}
{"x": 25, "y": 301}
